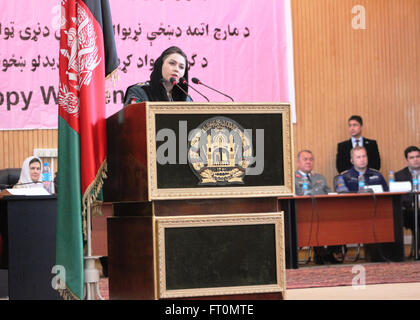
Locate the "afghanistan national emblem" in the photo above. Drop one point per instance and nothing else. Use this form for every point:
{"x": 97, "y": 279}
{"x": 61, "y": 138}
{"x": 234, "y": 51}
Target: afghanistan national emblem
{"x": 81, "y": 55}
{"x": 219, "y": 152}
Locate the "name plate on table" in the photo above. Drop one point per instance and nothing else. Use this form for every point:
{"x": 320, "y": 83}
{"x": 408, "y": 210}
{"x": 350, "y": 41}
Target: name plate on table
{"x": 28, "y": 192}
{"x": 220, "y": 255}
{"x": 377, "y": 188}
{"x": 400, "y": 186}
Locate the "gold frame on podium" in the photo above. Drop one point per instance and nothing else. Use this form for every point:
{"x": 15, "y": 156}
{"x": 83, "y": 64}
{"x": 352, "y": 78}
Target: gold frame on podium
{"x": 163, "y": 223}
{"x": 155, "y": 108}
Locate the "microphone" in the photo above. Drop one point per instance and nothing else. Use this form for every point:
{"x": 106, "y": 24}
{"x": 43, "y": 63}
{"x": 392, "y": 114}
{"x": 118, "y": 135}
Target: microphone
{"x": 173, "y": 81}
{"x": 366, "y": 190}
{"x": 196, "y": 81}
{"x": 20, "y": 184}
{"x": 184, "y": 81}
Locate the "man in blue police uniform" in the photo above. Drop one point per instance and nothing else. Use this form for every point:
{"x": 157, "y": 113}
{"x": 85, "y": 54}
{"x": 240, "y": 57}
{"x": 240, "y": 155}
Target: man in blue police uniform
{"x": 359, "y": 159}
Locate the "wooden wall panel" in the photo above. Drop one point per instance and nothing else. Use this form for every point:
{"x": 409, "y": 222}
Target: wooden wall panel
{"x": 340, "y": 71}
{"x": 17, "y": 145}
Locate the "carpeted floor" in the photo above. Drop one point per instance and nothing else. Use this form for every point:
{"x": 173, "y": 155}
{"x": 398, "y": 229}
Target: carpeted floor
{"x": 347, "y": 275}
{"x": 338, "y": 275}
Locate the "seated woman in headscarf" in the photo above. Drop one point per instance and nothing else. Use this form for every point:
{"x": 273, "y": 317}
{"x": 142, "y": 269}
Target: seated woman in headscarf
{"x": 172, "y": 63}
{"x": 30, "y": 176}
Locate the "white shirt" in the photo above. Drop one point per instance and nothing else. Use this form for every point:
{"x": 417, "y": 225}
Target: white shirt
{"x": 309, "y": 175}
{"x": 353, "y": 141}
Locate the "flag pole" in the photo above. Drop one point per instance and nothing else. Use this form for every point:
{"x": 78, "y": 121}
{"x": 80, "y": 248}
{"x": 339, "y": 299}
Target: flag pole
{"x": 84, "y": 67}
{"x": 91, "y": 273}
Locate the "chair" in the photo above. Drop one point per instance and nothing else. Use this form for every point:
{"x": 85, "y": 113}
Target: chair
{"x": 9, "y": 177}
{"x": 408, "y": 213}
{"x": 413, "y": 246}
{"x": 309, "y": 257}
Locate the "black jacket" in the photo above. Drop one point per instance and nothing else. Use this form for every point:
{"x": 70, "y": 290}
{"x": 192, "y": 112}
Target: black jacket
{"x": 407, "y": 201}
{"x": 153, "y": 90}
{"x": 135, "y": 94}
{"x": 403, "y": 175}
{"x": 343, "y": 155}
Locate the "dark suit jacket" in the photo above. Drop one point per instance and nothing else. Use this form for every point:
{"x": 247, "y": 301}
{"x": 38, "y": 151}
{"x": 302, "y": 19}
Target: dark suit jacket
{"x": 135, "y": 94}
{"x": 403, "y": 175}
{"x": 343, "y": 155}
{"x": 407, "y": 201}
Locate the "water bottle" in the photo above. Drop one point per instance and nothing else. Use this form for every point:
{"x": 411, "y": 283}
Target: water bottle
{"x": 391, "y": 177}
{"x": 305, "y": 185}
{"x": 415, "y": 181}
{"x": 46, "y": 177}
{"x": 340, "y": 185}
{"x": 361, "y": 181}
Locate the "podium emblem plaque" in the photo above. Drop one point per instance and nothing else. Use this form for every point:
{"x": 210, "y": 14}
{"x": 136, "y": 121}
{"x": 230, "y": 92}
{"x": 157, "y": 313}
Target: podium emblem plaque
{"x": 219, "y": 152}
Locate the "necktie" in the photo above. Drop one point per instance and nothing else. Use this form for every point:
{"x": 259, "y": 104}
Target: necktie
{"x": 357, "y": 143}
{"x": 309, "y": 177}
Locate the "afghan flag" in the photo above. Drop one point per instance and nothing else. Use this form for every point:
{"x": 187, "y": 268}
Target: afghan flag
{"x": 87, "y": 56}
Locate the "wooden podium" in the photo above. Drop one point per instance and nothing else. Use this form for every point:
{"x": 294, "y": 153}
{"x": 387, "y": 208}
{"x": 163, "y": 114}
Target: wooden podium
{"x": 194, "y": 189}
{"x": 28, "y": 229}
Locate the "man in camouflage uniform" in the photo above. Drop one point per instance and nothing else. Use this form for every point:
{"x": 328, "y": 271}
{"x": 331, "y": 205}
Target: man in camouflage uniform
{"x": 317, "y": 185}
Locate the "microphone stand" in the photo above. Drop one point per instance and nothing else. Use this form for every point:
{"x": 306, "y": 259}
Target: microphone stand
{"x": 195, "y": 80}
{"x": 175, "y": 83}
{"x": 415, "y": 235}
{"x": 22, "y": 184}
{"x": 199, "y": 92}
{"x": 91, "y": 274}
{"x": 185, "y": 92}
{"x": 218, "y": 91}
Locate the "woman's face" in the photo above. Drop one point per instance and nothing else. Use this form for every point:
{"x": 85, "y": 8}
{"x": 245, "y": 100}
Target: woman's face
{"x": 35, "y": 171}
{"x": 173, "y": 66}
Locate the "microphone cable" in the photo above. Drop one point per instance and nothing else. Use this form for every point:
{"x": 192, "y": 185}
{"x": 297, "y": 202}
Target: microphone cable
{"x": 378, "y": 245}
{"x": 315, "y": 205}
{"x": 8, "y": 186}
{"x": 310, "y": 229}
{"x": 185, "y": 92}
{"x": 416, "y": 224}
{"x": 174, "y": 83}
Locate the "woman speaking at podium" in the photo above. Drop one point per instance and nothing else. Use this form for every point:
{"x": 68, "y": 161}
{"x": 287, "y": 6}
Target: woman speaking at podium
{"x": 172, "y": 63}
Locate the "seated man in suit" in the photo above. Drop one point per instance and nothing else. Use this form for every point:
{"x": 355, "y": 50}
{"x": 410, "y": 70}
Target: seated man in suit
{"x": 343, "y": 148}
{"x": 316, "y": 185}
{"x": 359, "y": 159}
{"x": 412, "y": 156}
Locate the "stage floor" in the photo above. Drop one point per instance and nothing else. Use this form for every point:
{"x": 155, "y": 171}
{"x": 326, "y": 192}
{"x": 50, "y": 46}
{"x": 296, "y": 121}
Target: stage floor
{"x": 393, "y": 291}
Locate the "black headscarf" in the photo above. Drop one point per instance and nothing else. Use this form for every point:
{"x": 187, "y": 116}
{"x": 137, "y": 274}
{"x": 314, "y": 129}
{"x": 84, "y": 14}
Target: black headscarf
{"x": 156, "y": 91}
